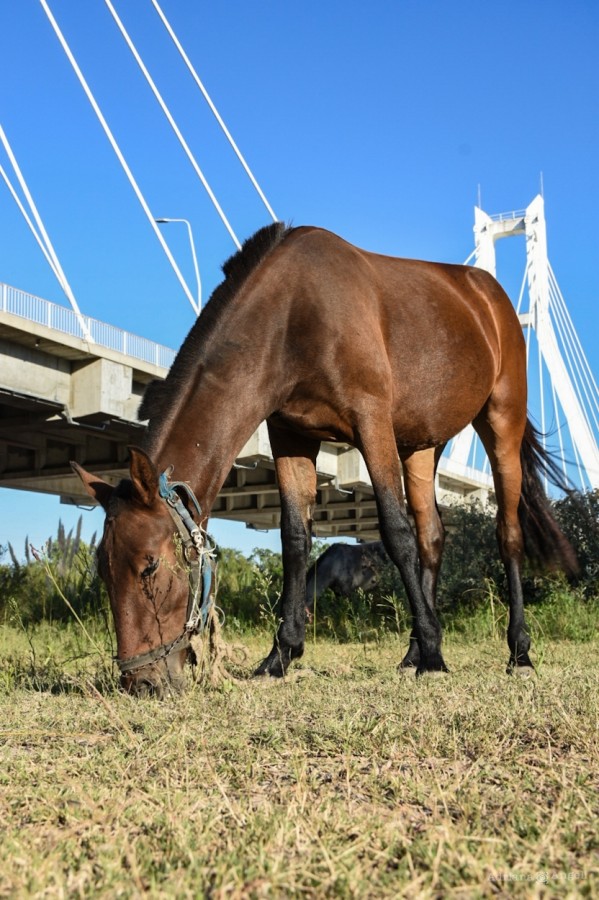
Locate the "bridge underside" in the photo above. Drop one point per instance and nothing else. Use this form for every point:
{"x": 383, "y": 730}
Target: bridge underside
{"x": 81, "y": 402}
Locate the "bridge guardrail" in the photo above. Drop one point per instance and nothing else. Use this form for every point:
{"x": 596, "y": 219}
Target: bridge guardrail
{"x": 65, "y": 320}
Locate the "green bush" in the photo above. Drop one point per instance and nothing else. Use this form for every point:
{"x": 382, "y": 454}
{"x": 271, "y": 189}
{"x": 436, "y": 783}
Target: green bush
{"x": 61, "y": 580}
{"x": 578, "y": 517}
{"x": 53, "y": 581}
{"x": 472, "y": 589}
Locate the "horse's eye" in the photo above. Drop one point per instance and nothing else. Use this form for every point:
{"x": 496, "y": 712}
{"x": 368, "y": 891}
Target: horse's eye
{"x": 150, "y": 568}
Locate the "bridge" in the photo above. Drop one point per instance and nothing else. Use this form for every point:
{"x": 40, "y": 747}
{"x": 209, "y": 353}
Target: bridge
{"x": 70, "y": 387}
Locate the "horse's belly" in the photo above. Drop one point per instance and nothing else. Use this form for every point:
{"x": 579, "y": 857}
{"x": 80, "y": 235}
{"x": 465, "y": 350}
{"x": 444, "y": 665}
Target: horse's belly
{"x": 434, "y": 411}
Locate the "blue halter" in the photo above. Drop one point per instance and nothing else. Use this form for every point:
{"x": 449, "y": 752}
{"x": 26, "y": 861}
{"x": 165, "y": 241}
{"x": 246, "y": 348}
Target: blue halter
{"x": 202, "y": 564}
{"x": 199, "y": 555}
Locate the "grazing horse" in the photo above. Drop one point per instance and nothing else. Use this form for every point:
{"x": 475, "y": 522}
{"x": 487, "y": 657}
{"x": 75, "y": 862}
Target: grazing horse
{"x": 343, "y": 568}
{"x": 327, "y": 342}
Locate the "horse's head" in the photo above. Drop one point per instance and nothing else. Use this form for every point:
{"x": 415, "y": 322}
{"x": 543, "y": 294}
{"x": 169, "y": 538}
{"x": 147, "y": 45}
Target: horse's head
{"x": 142, "y": 563}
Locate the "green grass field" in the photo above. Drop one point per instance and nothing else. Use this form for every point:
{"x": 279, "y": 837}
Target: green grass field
{"x": 345, "y": 780}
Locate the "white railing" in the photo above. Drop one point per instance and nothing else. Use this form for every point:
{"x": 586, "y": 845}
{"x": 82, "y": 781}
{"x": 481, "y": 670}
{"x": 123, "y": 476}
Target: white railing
{"x": 65, "y": 320}
{"x": 508, "y": 216}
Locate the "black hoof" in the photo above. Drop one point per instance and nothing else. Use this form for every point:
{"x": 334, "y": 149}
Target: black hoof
{"x": 412, "y": 658}
{"x": 408, "y": 664}
{"x": 432, "y": 663}
{"x": 406, "y": 671}
{"x": 277, "y": 662}
{"x": 521, "y": 666}
{"x": 272, "y": 667}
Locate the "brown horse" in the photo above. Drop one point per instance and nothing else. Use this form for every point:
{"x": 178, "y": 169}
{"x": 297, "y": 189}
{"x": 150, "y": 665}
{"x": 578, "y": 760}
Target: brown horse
{"x": 326, "y": 342}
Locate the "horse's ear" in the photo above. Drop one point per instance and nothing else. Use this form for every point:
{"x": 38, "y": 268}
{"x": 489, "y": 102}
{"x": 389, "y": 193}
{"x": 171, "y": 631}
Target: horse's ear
{"x": 144, "y": 476}
{"x": 95, "y": 486}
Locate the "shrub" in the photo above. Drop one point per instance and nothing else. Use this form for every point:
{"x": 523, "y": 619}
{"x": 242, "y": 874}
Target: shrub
{"x": 34, "y": 591}
{"x": 578, "y": 517}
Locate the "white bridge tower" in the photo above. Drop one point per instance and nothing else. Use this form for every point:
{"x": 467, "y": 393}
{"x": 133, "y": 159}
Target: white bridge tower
{"x": 572, "y": 385}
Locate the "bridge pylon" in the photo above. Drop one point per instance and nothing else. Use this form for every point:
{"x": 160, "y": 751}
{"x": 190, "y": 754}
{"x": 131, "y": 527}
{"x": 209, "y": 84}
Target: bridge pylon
{"x": 530, "y": 224}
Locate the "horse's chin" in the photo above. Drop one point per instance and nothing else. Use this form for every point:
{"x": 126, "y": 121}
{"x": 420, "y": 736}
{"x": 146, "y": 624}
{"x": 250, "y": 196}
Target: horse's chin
{"x": 160, "y": 680}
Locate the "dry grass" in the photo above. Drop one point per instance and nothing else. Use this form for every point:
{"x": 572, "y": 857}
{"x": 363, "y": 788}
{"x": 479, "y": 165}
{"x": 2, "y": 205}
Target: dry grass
{"x": 346, "y": 780}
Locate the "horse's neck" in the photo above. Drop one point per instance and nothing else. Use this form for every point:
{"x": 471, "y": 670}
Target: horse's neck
{"x": 211, "y": 426}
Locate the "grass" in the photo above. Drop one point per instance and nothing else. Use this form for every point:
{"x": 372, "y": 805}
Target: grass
{"x": 345, "y": 780}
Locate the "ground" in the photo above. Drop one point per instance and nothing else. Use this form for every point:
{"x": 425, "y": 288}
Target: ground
{"x": 346, "y": 779}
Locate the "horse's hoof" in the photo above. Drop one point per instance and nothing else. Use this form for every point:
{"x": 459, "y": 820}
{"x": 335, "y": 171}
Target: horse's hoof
{"x": 266, "y": 681}
{"x": 432, "y": 664}
{"x": 432, "y": 673}
{"x": 408, "y": 671}
{"x": 269, "y": 669}
{"x": 275, "y": 665}
{"x": 523, "y": 672}
{"x": 520, "y": 666}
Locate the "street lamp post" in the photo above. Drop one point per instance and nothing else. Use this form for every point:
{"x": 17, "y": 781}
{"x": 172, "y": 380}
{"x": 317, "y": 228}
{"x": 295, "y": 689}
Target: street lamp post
{"x": 163, "y": 221}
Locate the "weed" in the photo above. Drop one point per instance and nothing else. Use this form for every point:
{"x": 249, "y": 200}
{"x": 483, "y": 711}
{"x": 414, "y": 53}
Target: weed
{"x": 353, "y": 782}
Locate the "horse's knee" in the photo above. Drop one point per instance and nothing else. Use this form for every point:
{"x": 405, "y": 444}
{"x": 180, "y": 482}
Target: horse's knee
{"x": 510, "y": 540}
{"x": 430, "y": 546}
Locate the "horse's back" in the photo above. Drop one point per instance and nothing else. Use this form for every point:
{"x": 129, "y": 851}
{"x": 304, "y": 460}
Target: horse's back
{"x": 432, "y": 337}
{"x": 399, "y": 289}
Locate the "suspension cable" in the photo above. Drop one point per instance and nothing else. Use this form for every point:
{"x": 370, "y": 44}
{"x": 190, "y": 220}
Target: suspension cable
{"x": 213, "y": 108}
{"x": 530, "y": 327}
{"x": 42, "y": 235}
{"x": 560, "y": 304}
{"x": 559, "y": 429}
{"x": 118, "y": 153}
{"x": 522, "y": 287}
{"x": 542, "y": 399}
{"x": 577, "y": 375}
{"x": 30, "y": 224}
{"x": 172, "y": 123}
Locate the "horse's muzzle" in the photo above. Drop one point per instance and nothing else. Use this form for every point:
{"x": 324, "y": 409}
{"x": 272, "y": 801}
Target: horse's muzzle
{"x": 158, "y": 680}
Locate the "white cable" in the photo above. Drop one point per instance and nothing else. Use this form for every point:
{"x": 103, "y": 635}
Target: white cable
{"x": 559, "y": 429}
{"x": 531, "y": 325}
{"x": 43, "y": 237}
{"x": 226, "y": 132}
{"x": 32, "y": 228}
{"x": 560, "y": 304}
{"x": 542, "y": 399}
{"x": 172, "y": 123}
{"x": 587, "y": 374}
{"x": 522, "y": 286}
{"x": 576, "y": 360}
{"x": 579, "y": 466}
{"x": 577, "y": 376}
{"x": 568, "y": 336}
{"x": 117, "y": 150}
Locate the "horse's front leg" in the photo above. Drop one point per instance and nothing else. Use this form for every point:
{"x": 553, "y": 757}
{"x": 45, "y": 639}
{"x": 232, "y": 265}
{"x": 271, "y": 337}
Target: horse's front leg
{"x": 295, "y": 462}
{"x": 419, "y": 479}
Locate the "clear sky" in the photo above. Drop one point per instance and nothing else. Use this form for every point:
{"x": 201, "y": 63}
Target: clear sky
{"x": 383, "y": 121}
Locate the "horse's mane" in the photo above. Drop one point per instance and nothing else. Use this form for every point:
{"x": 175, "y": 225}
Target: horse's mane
{"x": 159, "y": 395}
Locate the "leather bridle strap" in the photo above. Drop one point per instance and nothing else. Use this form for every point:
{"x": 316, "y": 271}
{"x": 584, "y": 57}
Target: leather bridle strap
{"x": 199, "y": 556}
{"x": 146, "y": 659}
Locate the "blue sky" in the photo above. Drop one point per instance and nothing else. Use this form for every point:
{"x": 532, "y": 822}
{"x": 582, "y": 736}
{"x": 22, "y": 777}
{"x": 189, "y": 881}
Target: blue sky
{"x": 380, "y": 121}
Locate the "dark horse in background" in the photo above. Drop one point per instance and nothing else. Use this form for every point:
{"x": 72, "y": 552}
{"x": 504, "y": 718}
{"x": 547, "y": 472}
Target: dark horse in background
{"x": 343, "y": 568}
{"x": 327, "y": 342}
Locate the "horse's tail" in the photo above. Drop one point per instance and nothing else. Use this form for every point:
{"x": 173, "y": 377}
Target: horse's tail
{"x": 544, "y": 542}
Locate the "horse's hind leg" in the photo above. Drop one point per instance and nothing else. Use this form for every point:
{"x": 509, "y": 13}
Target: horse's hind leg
{"x": 501, "y": 432}
{"x": 419, "y": 479}
{"x": 295, "y": 461}
{"x": 380, "y": 454}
